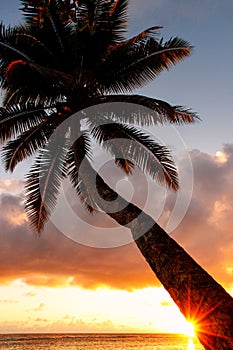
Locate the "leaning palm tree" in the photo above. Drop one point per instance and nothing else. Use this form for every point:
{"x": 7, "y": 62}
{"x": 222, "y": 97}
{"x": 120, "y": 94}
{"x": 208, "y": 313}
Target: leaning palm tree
{"x": 62, "y": 71}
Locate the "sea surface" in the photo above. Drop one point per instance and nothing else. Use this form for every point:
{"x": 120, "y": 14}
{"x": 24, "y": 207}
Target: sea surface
{"x": 97, "y": 341}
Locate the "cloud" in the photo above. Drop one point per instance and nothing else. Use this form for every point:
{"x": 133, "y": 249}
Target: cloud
{"x": 54, "y": 260}
{"x": 166, "y": 303}
{"x": 30, "y": 294}
{"x": 39, "y": 307}
{"x": 66, "y": 324}
{"x": 8, "y": 301}
{"x": 39, "y": 319}
{"x": 206, "y": 231}
{"x": 12, "y": 212}
{"x": 11, "y": 186}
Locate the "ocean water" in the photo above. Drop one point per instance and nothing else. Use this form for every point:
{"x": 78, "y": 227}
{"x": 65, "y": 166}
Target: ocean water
{"x": 97, "y": 342}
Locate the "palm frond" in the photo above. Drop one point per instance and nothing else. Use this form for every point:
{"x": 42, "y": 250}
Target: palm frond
{"x": 8, "y": 40}
{"x": 17, "y": 119}
{"x": 136, "y": 40}
{"x": 21, "y": 148}
{"x": 118, "y": 19}
{"x": 47, "y": 21}
{"x": 43, "y": 183}
{"x": 142, "y": 110}
{"x": 29, "y": 142}
{"x": 33, "y": 75}
{"x": 32, "y": 83}
{"x": 39, "y": 52}
{"x": 23, "y": 95}
{"x": 124, "y": 164}
{"x": 129, "y": 143}
{"x": 10, "y": 50}
{"x": 77, "y": 156}
{"x": 31, "y": 11}
{"x": 133, "y": 66}
{"x": 106, "y": 19}
{"x": 56, "y": 24}
{"x": 98, "y": 27}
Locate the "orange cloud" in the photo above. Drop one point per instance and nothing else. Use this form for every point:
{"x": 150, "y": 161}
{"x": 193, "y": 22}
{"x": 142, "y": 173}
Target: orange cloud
{"x": 54, "y": 260}
{"x": 11, "y": 186}
{"x": 206, "y": 231}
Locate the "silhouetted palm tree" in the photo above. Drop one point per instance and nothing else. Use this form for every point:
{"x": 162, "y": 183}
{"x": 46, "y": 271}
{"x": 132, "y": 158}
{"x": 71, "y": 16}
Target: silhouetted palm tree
{"x": 72, "y": 55}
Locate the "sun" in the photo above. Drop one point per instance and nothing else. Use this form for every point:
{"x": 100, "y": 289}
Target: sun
{"x": 189, "y": 329}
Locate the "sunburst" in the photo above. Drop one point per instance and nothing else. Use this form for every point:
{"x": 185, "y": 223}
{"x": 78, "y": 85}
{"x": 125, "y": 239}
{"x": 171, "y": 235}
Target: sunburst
{"x": 189, "y": 329}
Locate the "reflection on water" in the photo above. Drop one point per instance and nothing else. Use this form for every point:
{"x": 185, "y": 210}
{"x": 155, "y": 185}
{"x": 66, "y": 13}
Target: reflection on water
{"x": 98, "y": 341}
{"x": 190, "y": 344}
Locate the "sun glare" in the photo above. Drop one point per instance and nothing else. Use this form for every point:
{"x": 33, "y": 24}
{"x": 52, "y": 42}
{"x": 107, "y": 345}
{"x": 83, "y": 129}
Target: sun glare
{"x": 189, "y": 329}
{"x": 190, "y": 344}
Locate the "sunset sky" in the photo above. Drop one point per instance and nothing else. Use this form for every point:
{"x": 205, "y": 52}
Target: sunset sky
{"x": 53, "y": 283}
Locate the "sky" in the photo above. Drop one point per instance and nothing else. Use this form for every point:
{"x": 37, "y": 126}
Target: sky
{"x": 76, "y": 282}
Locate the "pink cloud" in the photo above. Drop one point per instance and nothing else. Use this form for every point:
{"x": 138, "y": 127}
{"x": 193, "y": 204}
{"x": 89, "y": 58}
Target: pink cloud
{"x": 52, "y": 259}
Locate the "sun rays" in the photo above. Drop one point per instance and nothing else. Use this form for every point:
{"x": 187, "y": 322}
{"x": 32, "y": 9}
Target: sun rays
{"x": 189, "y": 329}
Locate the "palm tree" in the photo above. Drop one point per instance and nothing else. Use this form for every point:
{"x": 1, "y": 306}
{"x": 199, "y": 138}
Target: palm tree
{"x": 68, "y": 57}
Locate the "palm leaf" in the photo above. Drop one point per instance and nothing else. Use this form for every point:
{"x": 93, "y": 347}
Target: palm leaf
{"x": 10, "y": 50}
{"x": 8, "y": 39}
{"x": 108, "y": 19}
{"x": 133, "y": 66}
{"x": 38, "y": 77}
{"x": 33, "y": 95}
{"x": 30, "y": 82}
{"x": 17, "y": 119}
{"x": 31, "y": 11}
{"x": 29, "y": 142}
{"x": 129, "y": 143}
{"x": 46, "y": 20}
{"x": 77, "y": 156}
{"x": 39, "y": 52}
{"x": 124, "y": 164}
{"x": 142, "y": 110}
{"x": 56, "y": 24}
{"x": 24, "y": 146}
{"x": 137, "y": 40}
{"x": 118, "y": 18}
{"x": 25, "y": 44}
{"x": 97, "y": 28}
{"x": 43, "y": 183}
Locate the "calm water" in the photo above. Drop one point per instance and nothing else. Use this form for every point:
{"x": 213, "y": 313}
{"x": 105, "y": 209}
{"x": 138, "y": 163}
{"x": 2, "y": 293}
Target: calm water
{"x": 97, "y": 341}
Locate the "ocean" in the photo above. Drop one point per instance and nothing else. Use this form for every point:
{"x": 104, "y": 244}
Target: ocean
{"x": 97, "y": 342}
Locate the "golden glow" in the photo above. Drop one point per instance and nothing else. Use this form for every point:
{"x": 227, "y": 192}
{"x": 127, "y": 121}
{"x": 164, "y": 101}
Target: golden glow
{"x": 189, "y": 329}
{"x": 221, "y": 157}
{"x": 17, "y": 218}
{"x": 191, "y": 344}
{"x": 26, "y": 308}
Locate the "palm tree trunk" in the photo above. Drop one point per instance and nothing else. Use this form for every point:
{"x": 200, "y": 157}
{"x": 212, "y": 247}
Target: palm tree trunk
{"x": 199, "y": 297}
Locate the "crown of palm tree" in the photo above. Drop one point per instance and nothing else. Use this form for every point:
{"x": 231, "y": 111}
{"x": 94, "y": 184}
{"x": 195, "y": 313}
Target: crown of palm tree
{"x": 68, "y": 56}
